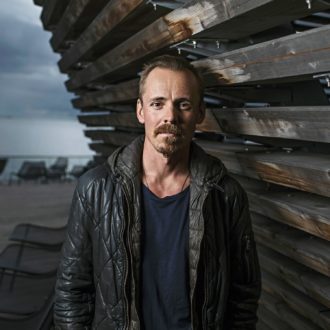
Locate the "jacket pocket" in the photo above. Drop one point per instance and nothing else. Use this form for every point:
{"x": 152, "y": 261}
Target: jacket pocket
{"x": 249, "y": 258}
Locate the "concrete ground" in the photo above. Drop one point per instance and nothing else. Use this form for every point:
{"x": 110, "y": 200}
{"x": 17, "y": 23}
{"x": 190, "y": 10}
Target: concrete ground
{"x": 38, "y": 203}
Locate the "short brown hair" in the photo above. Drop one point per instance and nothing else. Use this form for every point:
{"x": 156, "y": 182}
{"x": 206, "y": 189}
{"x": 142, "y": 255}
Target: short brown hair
{"x": 170, "y": 62}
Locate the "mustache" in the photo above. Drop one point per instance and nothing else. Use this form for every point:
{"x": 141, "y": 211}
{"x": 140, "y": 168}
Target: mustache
{"x": 168, "y": 128}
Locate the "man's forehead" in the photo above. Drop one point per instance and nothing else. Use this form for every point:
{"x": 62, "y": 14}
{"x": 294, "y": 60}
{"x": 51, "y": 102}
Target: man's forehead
{"x": 161, "y": 78}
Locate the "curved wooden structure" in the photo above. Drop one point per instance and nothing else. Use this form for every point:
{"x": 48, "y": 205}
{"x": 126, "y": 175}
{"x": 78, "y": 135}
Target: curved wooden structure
{"x": 266, "y": 64}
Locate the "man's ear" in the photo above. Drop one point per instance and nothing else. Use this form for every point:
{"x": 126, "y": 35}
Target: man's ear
{"x": 201, "y": 113}
{"x": 139, "y": 111}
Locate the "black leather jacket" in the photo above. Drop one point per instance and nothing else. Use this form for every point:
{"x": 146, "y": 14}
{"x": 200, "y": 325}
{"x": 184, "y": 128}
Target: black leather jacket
{"x": 98, "y": 277}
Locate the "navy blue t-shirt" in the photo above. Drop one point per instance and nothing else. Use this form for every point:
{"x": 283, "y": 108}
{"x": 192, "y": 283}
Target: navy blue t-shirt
{"x": 165, "y": 299}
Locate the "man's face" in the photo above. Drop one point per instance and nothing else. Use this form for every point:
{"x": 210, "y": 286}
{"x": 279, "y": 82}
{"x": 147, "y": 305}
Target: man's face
{"x": 170, "y": 109}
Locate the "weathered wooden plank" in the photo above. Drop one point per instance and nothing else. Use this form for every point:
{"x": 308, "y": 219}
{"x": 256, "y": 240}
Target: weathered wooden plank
{"x": 302, "y": 278}
{"x": 52, "y": 12}
{"x": 115, "y": 138}
{"x": 77, "y": 16}
{"x": 124, "y": 92}
{"x": 290, "y": 319}
{"x": 209, "y": 123}
{"x": 300, "y": 303}
{"x": 228, "y": 154}
{"x": 39, "y": 2}
{"x": 271, "y": 320}
{"x": 182, "y": 23}
{"x": 300, "y": 170}
{"x": 301, "y": 93}
{"x": 301, "y": 123}
{"x": 303, "y": 248}
{"x": 292, "y": 57}
{"x": 304, "y": 171}
{"x": 104, "y": 149}
{"x": 127, "y": 119}
{"x": 110, "y": 108}
{"x": 307, "y": 212}
{"x": 119, "y": 20}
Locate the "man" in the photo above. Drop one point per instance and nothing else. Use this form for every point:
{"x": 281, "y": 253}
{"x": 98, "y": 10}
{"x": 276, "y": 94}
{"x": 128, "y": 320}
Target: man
{"x": 160, "y": 236}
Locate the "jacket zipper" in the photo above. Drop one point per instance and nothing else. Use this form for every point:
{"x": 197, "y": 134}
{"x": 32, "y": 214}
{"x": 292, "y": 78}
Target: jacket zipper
{"x": 126, "y": 260}
{"x": 247, "y": 249}
{"x": 204, "y": 316}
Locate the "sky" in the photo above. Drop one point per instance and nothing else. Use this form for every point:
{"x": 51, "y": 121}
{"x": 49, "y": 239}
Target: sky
{"x": 31, "y": 86}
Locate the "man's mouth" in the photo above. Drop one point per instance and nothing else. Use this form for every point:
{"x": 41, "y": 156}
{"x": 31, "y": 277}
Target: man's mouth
{"x": 168, "y": 129}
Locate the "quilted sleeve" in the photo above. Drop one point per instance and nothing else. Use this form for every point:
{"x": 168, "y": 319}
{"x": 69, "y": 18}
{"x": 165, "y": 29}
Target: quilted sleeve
{"x": 74, "y": 292}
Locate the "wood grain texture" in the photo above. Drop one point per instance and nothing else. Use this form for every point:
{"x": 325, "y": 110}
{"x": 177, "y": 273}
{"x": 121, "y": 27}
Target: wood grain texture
{"x": 52, "y": 12}
{"x": 123, "y": 92}
{"x": 297, "y": 301}
{"x": 300, "y": 170}
{"x": 118, "y": 21}
{"x": 127, "y": 119}
{"x": 180, "y": 24}
{"x": 104, "y": 150}
{"x": 77, "y": 16}
{"x": 302, "y": 278}
{"x": 286, "y": 317}
{"x": 308, "y": 250}
{"x": 301, "y": 123}
{"x": 115, "y": 138}
{"x": 306, "y": 212}
{"x": 291, "y": 57}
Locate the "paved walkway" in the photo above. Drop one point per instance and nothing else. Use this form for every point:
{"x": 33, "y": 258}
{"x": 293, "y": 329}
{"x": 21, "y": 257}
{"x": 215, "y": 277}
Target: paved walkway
{"x": 45, "y": 204}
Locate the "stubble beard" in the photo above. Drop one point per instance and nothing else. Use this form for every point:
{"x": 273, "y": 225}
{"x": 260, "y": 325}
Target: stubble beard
{"x": 170, "y": 144}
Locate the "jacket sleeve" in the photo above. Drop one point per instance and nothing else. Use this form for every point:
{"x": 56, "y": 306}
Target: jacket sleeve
{"x": 245, "y": 284}
{"x": 74, "y": 292}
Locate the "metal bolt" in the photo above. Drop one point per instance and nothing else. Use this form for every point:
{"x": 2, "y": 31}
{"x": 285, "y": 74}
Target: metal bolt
{"x": 309, "y": 4}
{"x": 218, "y": 43}
{"x": 194, "y": 43}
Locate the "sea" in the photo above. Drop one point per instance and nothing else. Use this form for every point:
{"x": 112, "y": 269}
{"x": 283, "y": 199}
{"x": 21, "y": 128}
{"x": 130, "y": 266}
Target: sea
{"x": 38, "y": 139}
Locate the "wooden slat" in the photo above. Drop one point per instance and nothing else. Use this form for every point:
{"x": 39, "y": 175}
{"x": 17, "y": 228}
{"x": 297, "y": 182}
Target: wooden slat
{"x": 52, "y": 12}
{"x": 303, "y": 305}
{"x": 104, "y": 149}
{"x": 124, "y": 92}
{"x": 110, "y": 108}
{"x": 115, "y": 138}
{"x": 309, "y": 282}
{"x": 301, "y": 123}
{"x": 300, "y": 170}
{"x": 303, "y": 248}
{"x": 307, "y": 212}
{"x": 304, "y": 171}
{"x": 271, "y": 320}
{"x": 182, "y": 23}
{"x": 289, "y": 318}
{"x": 77, "y": 16}
{"x": 127, "y": 119}
{"x": 39, "y": 2}
{"x": 119, "y": 20}
{"x": 292, "y": 57}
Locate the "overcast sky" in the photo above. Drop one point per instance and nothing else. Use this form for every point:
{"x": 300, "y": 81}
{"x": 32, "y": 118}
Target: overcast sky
{"x": 36, "y": 115}
{"x": 31, "y": 85}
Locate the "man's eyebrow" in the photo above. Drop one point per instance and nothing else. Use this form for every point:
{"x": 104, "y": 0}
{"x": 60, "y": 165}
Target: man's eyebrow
{"x": 180, "y": 99}
{"x": 157, "y": 98}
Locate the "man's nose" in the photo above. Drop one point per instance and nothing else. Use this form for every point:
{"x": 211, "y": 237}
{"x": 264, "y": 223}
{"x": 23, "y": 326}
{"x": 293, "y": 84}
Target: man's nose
{"x": 171, "y": 115}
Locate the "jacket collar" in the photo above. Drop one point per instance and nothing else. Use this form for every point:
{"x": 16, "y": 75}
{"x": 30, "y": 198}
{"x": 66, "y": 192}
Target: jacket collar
{"x": 205, "y": 169}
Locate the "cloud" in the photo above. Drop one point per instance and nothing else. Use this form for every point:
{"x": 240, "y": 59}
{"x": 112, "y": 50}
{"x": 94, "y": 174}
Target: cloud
{"x": 31, "y": 84}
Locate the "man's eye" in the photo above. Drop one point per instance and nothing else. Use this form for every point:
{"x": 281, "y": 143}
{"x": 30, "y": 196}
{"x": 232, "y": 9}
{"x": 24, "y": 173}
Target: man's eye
{"x": 156, "y": 105}
{"x": 185, "y": 105}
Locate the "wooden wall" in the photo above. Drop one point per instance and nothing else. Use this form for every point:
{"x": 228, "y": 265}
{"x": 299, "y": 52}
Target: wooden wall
{"x": 265, "y": 64}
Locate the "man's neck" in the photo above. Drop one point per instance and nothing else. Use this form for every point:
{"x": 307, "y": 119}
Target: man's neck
{"x": 165, "y": 176}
